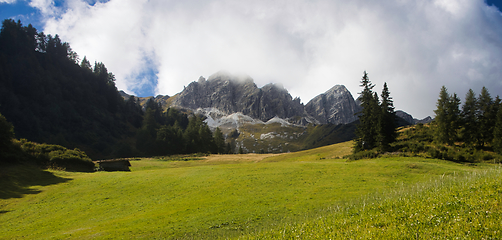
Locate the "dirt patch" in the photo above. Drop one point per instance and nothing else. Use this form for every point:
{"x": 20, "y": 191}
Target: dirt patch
{"x": 251, "y": 157}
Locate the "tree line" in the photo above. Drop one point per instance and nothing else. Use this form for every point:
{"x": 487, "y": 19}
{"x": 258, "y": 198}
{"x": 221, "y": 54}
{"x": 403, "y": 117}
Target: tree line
{"x": 51, "y": 96}
{"x": 377, "y": 119}
{"x": 173, "y": 132}
{"x": 477, "y": 124}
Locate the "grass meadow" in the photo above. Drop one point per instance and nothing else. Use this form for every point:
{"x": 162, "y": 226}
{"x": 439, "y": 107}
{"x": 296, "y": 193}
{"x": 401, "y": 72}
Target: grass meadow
{"x": 305, "y": 195}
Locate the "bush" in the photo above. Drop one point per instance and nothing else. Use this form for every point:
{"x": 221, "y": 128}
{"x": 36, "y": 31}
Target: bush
{"x": 364, "y": 155}
{"x": 71, "y": 160}
{"x": 58, "y": 157}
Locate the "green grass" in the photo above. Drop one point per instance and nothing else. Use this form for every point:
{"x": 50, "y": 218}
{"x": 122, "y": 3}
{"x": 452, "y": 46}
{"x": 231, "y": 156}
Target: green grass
{"x": 455, "y": 207}
{"x": 212, "y": 198}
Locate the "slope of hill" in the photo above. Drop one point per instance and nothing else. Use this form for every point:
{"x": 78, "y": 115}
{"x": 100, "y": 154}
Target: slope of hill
{"x": 49, "y": 98}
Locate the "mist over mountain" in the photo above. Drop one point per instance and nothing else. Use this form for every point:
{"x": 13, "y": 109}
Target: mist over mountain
{"x": 223, "y": 95}
{"x": 231, "y": 94}
{"x": 239, "y": 94}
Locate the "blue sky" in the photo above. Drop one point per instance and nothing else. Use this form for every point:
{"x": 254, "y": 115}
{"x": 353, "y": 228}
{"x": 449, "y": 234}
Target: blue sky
{"x": 158, "y": 46}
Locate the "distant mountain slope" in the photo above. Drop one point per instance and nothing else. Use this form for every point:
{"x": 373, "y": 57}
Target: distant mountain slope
{"x": 335, "y": 106}
{"x": 239, "y": 94}
{"x": 410, "y": 120}
{"x": 231, "y": 94}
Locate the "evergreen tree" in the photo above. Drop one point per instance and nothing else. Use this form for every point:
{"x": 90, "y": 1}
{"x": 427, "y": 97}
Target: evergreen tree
{"x": 443, "y": 130}
{"x": 366, "y": 132}
{"x": 206, "y": 142}
{"x": 497, "y": 130}
{"x": 85, "y": 64}
{"x": 387, "y": 124}
{"x": 454, "y": 117}
{"x": 6, "y": 133}
{"x": 486, "y": 117}
{"x": 219, "y": 140}
{"x": 469, "y": 119}
{"x": 146, "y": 136}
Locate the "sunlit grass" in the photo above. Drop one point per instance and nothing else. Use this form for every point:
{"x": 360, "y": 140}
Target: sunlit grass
{"x": 462, "y": 206}
{"x": 220, "y": 196}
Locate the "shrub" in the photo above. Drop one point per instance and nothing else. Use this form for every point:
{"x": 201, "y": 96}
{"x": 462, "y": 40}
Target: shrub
{"x": 71, "y": 160}
{"x": 58, "y": 157}
{"x": 364, "y": 155}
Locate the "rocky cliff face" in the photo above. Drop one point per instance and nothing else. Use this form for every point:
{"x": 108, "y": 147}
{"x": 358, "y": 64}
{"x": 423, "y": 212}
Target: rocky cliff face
{"x": 408, "y": 118}
{"x": 231, "y": 94}
{"x": 336, "y": 106}
{"x": 405, "y": 116}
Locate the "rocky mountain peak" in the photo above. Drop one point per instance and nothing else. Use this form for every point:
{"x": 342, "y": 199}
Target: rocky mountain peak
{"x": 336, "y": 106}
{"x": 238, "y": 93}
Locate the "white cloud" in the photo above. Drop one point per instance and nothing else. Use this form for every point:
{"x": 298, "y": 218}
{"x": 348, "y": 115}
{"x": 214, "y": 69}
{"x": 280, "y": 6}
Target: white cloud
{"x": 8, "y": 1}
{"x": 308, "y": 46}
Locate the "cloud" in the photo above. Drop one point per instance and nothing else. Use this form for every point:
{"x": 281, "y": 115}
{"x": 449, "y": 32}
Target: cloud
{"x": 308, "y": 46}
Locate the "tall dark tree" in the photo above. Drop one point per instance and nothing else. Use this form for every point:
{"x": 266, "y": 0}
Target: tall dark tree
{"x": 6, "y": 133}
{"x": 454, "y": 117}
{"x": 219, "y": 140}
{"x": 366, "y": 131}
{"x": 469, "y": 119}
{"x": 497, "y": 130}
{"x": 486, "y": 117}
{"x": 443, "y": 126}
{"x": 387, "y": 124}
{"x": 85, "y": 64}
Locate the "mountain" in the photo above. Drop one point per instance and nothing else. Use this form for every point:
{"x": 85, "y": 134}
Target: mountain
{"x": 408, "y": 118}
{"x": 231, "y": 94}
{"x": 335, "y": 106}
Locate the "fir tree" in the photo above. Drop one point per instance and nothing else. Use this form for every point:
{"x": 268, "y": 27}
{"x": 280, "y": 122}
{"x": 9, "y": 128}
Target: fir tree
{"x": 454, "y": 117}
{"x": 387, "y": 124}
{"x": 442, "y": 120}
{"x": 486, "y": 117}
{"x": 469, "y": 119}
{"x": 366, "y": 132}
{"x": 6, "y": 133}
{"x": 219, "y": 140}
{"x": 497, "y": 130}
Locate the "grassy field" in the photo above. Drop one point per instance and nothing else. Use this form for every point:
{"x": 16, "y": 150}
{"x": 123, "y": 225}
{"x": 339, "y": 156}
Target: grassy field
{"x": 249, "y": 196}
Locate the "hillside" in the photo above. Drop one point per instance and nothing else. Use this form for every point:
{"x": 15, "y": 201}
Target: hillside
{"x": 49, "y": 98}
{"x": 254, "y": 195}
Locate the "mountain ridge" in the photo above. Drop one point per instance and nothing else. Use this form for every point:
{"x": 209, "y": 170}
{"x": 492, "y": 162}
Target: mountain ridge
{"x": 231, "y": 94}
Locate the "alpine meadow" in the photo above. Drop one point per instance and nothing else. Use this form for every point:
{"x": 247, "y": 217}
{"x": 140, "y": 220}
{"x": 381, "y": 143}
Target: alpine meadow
{"x": 226, "y": 159}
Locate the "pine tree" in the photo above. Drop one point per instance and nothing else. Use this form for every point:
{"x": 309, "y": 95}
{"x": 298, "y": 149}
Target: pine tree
{"x": 441, "y": 120}
{"x": 469, "y": 119}
{"x": 387, "y": 123}
{"x": 366, "y": 131}
{"x": 219, "y": 140}
{"x": 497, "y": 130}
{"x": 454, "y": 117}
{"x": 85, "y": 64}
{"x": 6, "y": 133}
{"x": 485, "y": 117}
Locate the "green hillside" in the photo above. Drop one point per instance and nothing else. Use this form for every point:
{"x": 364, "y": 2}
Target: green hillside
{"x": 251, "y": 195}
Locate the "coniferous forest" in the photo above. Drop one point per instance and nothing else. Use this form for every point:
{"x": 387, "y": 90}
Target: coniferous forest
{"x": 469, "y": 133}
{"x": 51, "y": 96}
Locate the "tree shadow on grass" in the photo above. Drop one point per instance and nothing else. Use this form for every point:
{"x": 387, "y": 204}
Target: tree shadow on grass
{"x": 17, "y": 180}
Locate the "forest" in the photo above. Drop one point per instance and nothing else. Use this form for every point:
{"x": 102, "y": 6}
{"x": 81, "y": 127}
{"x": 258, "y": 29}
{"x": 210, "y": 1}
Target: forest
{"x": 51, "y": 96}
{"x": 468, "y": 133}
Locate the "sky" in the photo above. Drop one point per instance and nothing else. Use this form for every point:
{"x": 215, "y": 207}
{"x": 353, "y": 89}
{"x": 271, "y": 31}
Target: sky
{"x": 159, "y": 46}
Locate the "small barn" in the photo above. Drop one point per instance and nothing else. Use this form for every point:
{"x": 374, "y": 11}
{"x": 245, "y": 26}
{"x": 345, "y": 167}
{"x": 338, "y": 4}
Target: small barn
{"x": 114, "y": 165}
